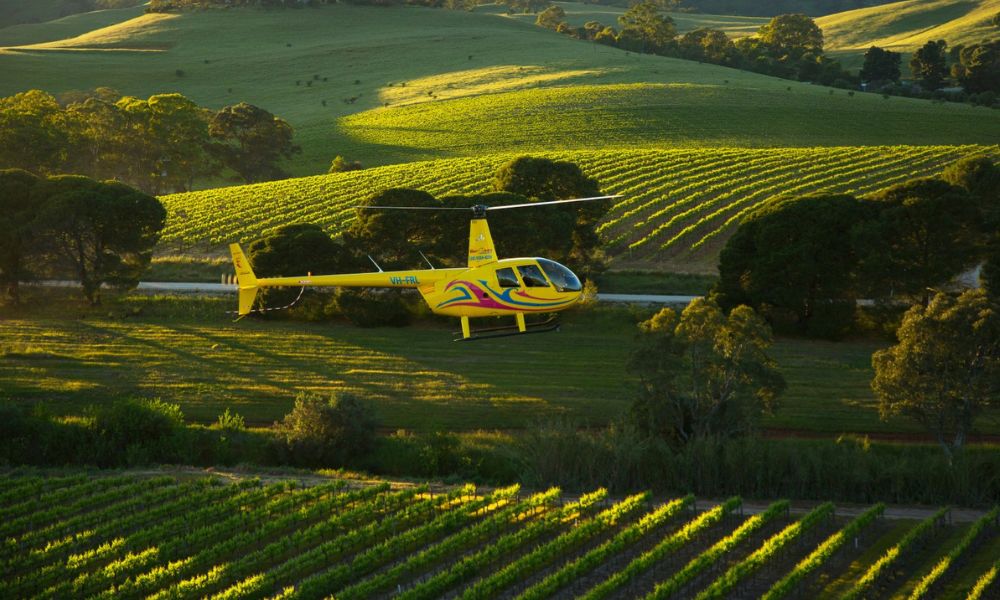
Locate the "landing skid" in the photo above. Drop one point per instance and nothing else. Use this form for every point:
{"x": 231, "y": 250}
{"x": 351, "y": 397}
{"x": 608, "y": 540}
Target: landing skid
{"x": 550, "y": 324}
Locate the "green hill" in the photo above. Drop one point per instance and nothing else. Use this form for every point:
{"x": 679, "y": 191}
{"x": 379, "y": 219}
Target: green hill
{"x": 905, "y": 26}
{"x": 679, "y": 205}
{"x": 445, "y": 72}
{"x": 65, "y": 27}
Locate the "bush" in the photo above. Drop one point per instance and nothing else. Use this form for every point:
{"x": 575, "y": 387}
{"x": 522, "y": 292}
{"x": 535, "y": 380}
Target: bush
{"x": 327, "y": 432}
{"x": 137, "y": 432}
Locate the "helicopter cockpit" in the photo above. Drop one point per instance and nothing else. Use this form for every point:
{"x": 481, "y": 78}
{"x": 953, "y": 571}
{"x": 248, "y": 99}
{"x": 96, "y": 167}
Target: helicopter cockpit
{"x": 542, "y": 273}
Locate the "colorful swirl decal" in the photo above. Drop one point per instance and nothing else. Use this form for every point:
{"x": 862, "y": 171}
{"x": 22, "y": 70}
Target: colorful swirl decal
{"x": 471, "y": 294}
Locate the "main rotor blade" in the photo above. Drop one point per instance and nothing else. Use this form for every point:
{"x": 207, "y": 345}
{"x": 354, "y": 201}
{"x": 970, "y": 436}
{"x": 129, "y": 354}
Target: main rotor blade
{"x": 530, "y": 204}
{"x": 467, "y": 209}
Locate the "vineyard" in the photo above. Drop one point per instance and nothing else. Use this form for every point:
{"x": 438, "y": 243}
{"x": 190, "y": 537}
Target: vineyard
{"x": 678, "y": 206}
{"x": 160, "y": 537}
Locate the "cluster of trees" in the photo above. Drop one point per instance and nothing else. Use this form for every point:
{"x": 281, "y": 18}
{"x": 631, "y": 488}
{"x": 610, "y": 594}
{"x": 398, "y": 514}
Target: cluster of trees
{"x": 95, "y": 232}
{"x": 804, "y": 262}
{"x": 396, "y": 239}
{"x": 976, "y": 68}
{"x": 788, "y": 46}
{"x": 157, "y": 145}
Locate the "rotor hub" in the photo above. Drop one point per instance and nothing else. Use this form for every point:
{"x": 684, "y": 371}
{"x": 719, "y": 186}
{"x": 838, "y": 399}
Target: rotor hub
{"x": 479, "y": 211}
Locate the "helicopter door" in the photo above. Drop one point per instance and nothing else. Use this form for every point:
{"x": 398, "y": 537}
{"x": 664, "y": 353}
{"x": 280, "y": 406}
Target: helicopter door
{"x": 507, "y": 279}
{"x": 532, "y": 276}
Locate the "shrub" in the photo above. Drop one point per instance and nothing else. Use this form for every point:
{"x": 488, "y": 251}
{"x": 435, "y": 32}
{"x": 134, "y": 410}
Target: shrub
{"x": 231, "y": 421}
{"x": 327, "y": 431}
{"x": 137, "y": 432}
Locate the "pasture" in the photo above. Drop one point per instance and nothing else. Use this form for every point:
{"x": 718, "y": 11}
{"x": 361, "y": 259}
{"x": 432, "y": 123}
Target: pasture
{"x": 679, "y": 205}
{"x": 187, "y": 351}
{"x": 341, "y": 76}
{"x": 128, "y": 536}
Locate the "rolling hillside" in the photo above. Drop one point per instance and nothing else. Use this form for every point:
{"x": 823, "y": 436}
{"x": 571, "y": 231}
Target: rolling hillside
{"x": 679, "y": 205}
{"x": 905, "y": 26}
{"x": 390, "y": 85}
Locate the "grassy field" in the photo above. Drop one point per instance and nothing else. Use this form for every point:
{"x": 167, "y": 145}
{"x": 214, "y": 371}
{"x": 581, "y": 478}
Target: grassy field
{"x": 338, "y": 74}
{"x": 679, "y": 205}
{"x": 73, "y": 535}
{"x": 907, "y": 25}
{"x": 188, "y": 352}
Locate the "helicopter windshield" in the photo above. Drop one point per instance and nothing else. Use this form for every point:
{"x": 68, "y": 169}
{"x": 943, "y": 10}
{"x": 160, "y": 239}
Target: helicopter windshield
{"x": 561, "y": 277}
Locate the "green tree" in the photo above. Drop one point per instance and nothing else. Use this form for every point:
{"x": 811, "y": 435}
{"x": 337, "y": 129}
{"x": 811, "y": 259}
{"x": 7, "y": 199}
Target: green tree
{"x": 397, "y": 237}
{"x": 929, "y": 65}
{"x": 880, "y": 67}
{"x": 32, "y": 132}
{"x": 792, "y": 35}
{"x": 547, "y": 179}
{"x": 704, "y": 375}
{"x": 165, "y": 141}
{"x": 979, "y": 176}
{"x": 98, "y": 140}
{"x": 18, "y": 222}
{"x": 922, "y": 234}
{"x": 324, "y": 432}
{"x": 708, "y": 45}
{"x": 104, "y": 232}
{"x": 251, "y": 141}
{"x": 978, "y": 69}
{"x": 297, "y": 250}
{"x": 945, "y": 370}
{"x": 644, "y": 29}
{"x": 551, "y": 17}
{"x": 792, "y": 259}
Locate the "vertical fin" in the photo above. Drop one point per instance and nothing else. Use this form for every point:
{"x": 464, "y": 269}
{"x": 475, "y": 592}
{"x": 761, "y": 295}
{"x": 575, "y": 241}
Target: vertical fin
{"x": 481, "y": 249}
{"x": 245, "y": 279}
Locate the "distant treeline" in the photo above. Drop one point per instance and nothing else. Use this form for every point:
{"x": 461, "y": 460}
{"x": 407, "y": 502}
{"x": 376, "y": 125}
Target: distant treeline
{"x": 158, "y": 145}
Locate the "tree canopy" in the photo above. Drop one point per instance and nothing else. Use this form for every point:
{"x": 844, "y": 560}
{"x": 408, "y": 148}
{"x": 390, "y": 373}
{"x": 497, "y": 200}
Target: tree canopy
{"x": 644, "y": 29}
{"x": 978, "y": 69}
{"x": 792, "y": 35}
{"x": 793, "y": 259}
{"x": 251, "y": 141}
{"x": 547, "y": 179}
{"x": 706, "y": 374}
{"x": 104, "y": 232}
{"x": 922, "y": 234}
{"x": 945, "y": 370}
{"x": 880, "y": 67}
{"x": 19, "y": 210}
{"x": 929, "y": 65}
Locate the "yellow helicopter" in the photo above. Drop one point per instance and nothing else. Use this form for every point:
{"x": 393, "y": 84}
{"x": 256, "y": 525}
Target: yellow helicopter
{"x": 488, "y": 287}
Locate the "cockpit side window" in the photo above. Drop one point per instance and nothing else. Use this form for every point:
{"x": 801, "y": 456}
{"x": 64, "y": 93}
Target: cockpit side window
{"x": 562, "y": 278}
{"x": 506, "y": 278}
{"x": 532, "y": 276}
